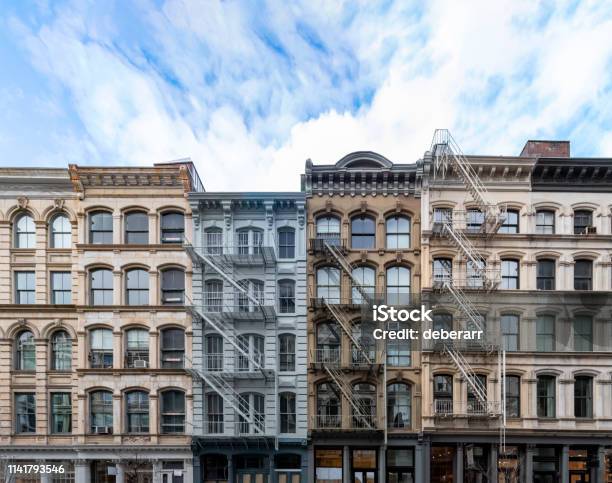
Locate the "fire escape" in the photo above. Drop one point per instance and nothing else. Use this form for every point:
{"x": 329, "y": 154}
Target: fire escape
{"x": 232, "y": 299}
{"x": 342, "y": 312}
{"x": 483, "y": 221}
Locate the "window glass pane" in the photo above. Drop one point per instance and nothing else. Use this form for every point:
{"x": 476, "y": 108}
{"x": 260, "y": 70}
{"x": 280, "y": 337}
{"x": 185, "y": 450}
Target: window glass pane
{"x": 61, "y": 288}
{"x": 399, "y": 405}
{"x": 61, "y": 232}
{"x": 173, "y": 286}
{"x": 286, "y": 296}
{"x": 61, "y": 412}
{"x": 286, "y": 243}
{"x": 137, "y": 406}
{"x": 25, "y": 288}
{"x": 546, "y": 396}
{"x": 583, "y": 334}
{"x": 61, "y": 351}
{"x": 328, "y": 284}
{"x": 583, "y": 275}
{"x": 510, "y": 274}
{"x": 26, "y": 352}
{"x": 398, "y": 286}
{"x": 583, "y": 397}
{"x": 363, "y": 233}
{"x": 101, "y": 410}
{"x": 583, "y": 219}
{"x": 172, "y": 228}
{"x": 513, "y": 394}
{"x": 398, "y": 232}
{"x": 137, "y": 228}
{"x": 287, "y": 352}
{"x": 101, "y": 287}
{"x": 25, "y": 413}
{"x": 546, "y": 274}
{"x": 172, "y": 348}
{"x": 511, "y": 223}
{"x": 545, "y": 333}
{"x": 101, "y": 228}
{"x": 137, "y": 286}
{"x": 25, "y": 232}
{"x": 509, "y": 327}
{"x": 545, "y": 222}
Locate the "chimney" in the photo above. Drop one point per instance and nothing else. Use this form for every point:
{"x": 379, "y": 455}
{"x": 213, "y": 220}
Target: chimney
{"x": 546, "y": 149}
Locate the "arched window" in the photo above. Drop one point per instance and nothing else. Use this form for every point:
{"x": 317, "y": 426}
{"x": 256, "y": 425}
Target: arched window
{"x": 398, "y": 286}
{"x": 137, "y": 348}
{"x": 286, "y": 296}
{"x": 583, "y": 397}
{"x": 328, "y": 343}
{"x": 25, "y": 232}
{"x": 583, "y": 221}
{"x": 255, "y": 288}
{"x": 101, "y": 283}
{"x": 363, "y": 232}
{"x": 328, "y": 227}
{"x": 583, "y": 275}
{"x": 328, "y": 284}
{"x": 286, "y": 243}
{"x": 137, "y": 287}
{"x": 366, "y": 354}
{"x": 399, "y": 405}
{"x": 250, "y": 241}
{"x": 173, "y": 286}
{"x": 253, "y": 345}
{"x": 287, "y": 412}
{"x": 61, "y": 351}
{"x": 545, "y": 222}
{"x": 398, "y": 351}
{"x": 137, "y": 411}
{"x": 172, "y": 412}
{"x": 252, "y": 404}
{"x": 101, "y": 412}
{"x": 286, "y": 352}
{"x": 25, "y": 354}
{"x": 172, "y": 348}
{"x": 136, "y": 228}
{"x": 365, "y": 395}
{"x": 443, "y": 394}
{"x": 510, "y": 223}
{"x": 366, "y": 278}
{"x": 213, "y": 295}
{"x": 510, "y": 274}
{"x": 474, "y": 221}
{"x": 61, "y": 232}
{"x": 213, "y": 239}
{"x": 172, "y": 227}
{"x": 398, "y": 232}
{"x": 101, "y": 228}
{"x": 214, "y": 412}
{"x": 101, "y": 348}
{"x": 214, "y": 353}
{"x": 329, "y": 410}
{"x": 442, "y": 270}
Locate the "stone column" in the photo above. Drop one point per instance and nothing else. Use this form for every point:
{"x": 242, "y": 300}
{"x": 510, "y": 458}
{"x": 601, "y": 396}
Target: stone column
{"x": 459, "y": 464}
{"x": 154, "y": 426}
{"x": 153, "y": 229}
{"x": 117, "y": 287}
{"x": 528, "y": 474}
{"x": 426, "y": 461}
{"x": 120, "y": 477}
{"x": 346, "y": 465}
{"x": 117, "y": 231}
{"x": 564, "y": 464}
{"x": 154, "y": 350}
{"x": 493, "y": 457}
{"x": 382, "y": 463}
{"x": 230, "y": 468}
{"x": 118, "y": 360}
{"x": 117, "y": 422}
{"x": 154, "y": 298}
{"x": 419, "y": 463}
{"x": 601, "y": 468}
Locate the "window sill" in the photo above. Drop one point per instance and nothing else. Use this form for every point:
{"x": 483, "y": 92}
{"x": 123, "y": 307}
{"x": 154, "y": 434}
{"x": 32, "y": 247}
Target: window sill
{"x": 129, "y": 247}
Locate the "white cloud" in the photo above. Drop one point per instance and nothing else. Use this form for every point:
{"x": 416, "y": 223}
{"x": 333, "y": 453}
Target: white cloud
{"x": 496, "y": 73}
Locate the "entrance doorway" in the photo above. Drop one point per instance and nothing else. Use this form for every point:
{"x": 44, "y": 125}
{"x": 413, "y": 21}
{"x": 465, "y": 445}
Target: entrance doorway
{"x": 364, "y": 467}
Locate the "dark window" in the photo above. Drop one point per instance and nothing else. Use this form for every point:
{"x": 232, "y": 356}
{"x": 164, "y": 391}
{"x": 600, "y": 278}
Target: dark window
{"x": 214, "y": 241}
{"x": 173, "y": 286}
{"x": 474, "y": 221}
{"x": 398, "y": 351}
{"x": 25, "y": 232}
{"x": 61, "y": 232}
{"x": 443, "y": 394}
{"x": 101, "y": 412}
{"x": 137, "y": 287}
{"x": 474, "y": 404}
{"x": 214, "y": 412}
{"x": 442, "y": 321}
{"x": 136, "y": 228}
{"x": 328, "y": 343}
{"x": 252, "y": 405}
{"x": 213, "y": 295}
{"x": 172, "y": 412}
{"x": 363, "y": 233}
{"x": 475, "y": 273}
{"x": 510, "y": 274}
{"x": 25, "y": 354}
{"x": 583, "y": 219}
{"x": 583, "y": 275}
{"x": 253, "y": 345}
{"x": 137, "y": 405}
{"x": 137, "y": 348}
{"x": 61, "y": 288}
{"x": 329, "y": 410}
{"x": 255, "y": 288}
{"x": 172, "y": 348}
{"x": 546, "y": 397}
{"x": 366, "y": 280}
{"x": 442, "y": 270}
{"x": 400, "y": 465}
{"x": 101, "y": 281}
{"x": 101, "y": 348}
{"x": 399, "y": 405}
{"x": 513, "y": 396}
{"x": 511, "y": 223}
{"x": 510, "y": 331}
{"x": 287, "y": 412}
{"x": 25, "y": 288}
{"x": 398, "y": 232}
{"x": 286, "y": 296}
{"x": 25, "y": 413}
{"x": 61, "y": 351}
{"x": 328, "y": 284}
{"x": 286, "y": 352}
{"x": 546, "y": 274}
{"x": 214, "y": 353}
{"x": 583, "y": 333}
{"x": 286, "y": 243}
{"x": 545, "y": 222}
{"x": 61, "y": 412}
{"x": 101, "y": 228}
{"x": 215, "y": 468}
{"x": 398, "y": 286}
{"x": 545, "y": 333}
{"x": 172, "y": 228}
{"x": 365, "y": 398}
{"x": 583, "y": 397}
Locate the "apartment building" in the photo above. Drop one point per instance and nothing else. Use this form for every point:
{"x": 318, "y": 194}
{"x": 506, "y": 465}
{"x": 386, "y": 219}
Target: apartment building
{"x": 363, "y": 228}
{"x": 249, "y": 337}
{"x": 95, "y": 334}
{"x": 520, "y": 246}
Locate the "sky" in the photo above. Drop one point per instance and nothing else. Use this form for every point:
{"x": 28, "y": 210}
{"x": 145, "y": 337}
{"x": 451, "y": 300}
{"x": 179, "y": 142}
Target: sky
{"x": 249, "y": 90}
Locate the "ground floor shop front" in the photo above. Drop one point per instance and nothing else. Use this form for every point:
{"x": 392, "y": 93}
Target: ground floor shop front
{"x": 124, "y": 464}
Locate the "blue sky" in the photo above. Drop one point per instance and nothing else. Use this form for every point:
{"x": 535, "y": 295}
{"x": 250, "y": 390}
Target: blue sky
{"x": 251, "y": 89}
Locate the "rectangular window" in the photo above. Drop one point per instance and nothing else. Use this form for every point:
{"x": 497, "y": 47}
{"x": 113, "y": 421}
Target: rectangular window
{"x": 287, "y": 412}
{"x": 442, "y": 215}
{"x": 136, "y": 229}
{"x": 583, "y": 334}
{"x": 583, "y": 275}
{"x": 546, "y": 275}
{"x": 398, "y": 353}
{"x": 25, "y": 413}
{"x": 287, "y": 353}
{"x": 545, "y": 222}
{"x": 583, "y": 397}
{"x": 513, "y": 396}
{"x": 214, "y": 405}
{"x": 510, "y": 332}
{"x": 511, "y": 223}
{"x": 286, "y": 244}
{"x": 474, "y": 221}
{"x": 475, "y": 405}
{"x": 214, "y": 241}
{"x": 286, "y": 297}
{"x": 101, "y": 228}
{"x": 328, "y": 465}
{"x": 61, "y": 412}
{"x": 546, "y": 397}
{"x": 172, "y": 228}
{"x": 25, "y": 288}
{"x": 101, "y": 344}
{"x": 509, "y": 274}
{"x": 545, "y": 333}
{"x": 172, "y": 348}
{"x": 61, "y": 288}
{"x": 583, "y": 219}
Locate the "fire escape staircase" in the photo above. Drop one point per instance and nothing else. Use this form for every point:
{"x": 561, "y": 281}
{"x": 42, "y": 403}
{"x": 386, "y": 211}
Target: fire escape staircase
{"x": 346, "y": 325}
{"x": 361, "y": 412}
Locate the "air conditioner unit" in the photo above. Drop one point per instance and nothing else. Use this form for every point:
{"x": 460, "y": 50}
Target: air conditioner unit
{"x": 141, "y": 364}
{"x": 102, "y": 429}
{"x": 590, "y": 230}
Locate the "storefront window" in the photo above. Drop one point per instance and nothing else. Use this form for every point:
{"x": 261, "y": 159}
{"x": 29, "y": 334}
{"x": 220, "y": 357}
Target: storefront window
{"x": 441, "y": 469}
{"x": 364, "y": 465}
{"x": 328, "y": 467}
{"x": 400, "y": 465}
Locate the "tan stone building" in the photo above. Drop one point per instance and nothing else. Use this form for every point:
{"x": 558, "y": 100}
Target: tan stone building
{"x": 95, "y": 359}
{"x": 363, "y": 221}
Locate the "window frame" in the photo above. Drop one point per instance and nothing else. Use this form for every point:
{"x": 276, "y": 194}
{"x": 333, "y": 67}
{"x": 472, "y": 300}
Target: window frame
{"x": 394, "y": 293}
{"x": 176, "y": 350}
{"x": 549, "y": 344}
{"x": 548, "y": 398}
{"x": 136, "y": 349}
{"x": 588, "y": 343}
{"x": 286, "y": 243}
{"x": 140, "y": 234}
{"x": 104, "y": 231}
{"x": 445, "y": 394}
{"x": 287, "y": 402}
{"x": 511, "y": 228}
{"x": 104, "y": 409}
{"x": 545, "y": 228}
{"x": 142, "y": 294}
{"x": 397, "y": 234}
{"x": 395, "y": 408}
{"x": 286, "y": 352}
{"x": 510, "y": 282}
{"x": 60, "y": 296}
{"x": 55, "y": 413}
{"x": 546, "y": 282}
{"x": 581, "y": 217}
{"x": 140, "y": 411}
{"x": 106, "y": 293}
{"x": 215, "y": 413}
{"x": 363, "y": 236}
{"x": 213, "y": 240}
{"x": 99, "y": 356}
{"x": 442, "y": 269}
{"x": 28, "y": 234}
{"x": 179, "y": 417}
{"x": 366, "y": 276}
{"x": 586, "y": 398}
{"x": 286, "y": 296}
{"x": 28, "y": 413}
{"x": 583, "y": 281}
{"x": 164, "y": 231}
{"x": 54, "y": 232}
{"x": 30, "y": 287}
{"x": 178, "y": 290}
{"x": 510, "y": 396}
{"x": 505, "y": 334}
{"x": 64, "y": 353}
{"x": 328, "y": 288}
{"x": 25, "y": 356}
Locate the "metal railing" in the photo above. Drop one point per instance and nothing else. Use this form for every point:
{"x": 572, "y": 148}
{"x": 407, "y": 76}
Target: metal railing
{"x": 327, "y": 421}
{"x": 326, "y": 355}
{"x": 470, "y": 408}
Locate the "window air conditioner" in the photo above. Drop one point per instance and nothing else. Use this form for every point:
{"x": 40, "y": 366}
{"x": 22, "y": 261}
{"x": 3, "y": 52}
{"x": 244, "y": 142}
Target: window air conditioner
{"x": 140, "y": 364}
{"x": 102, "y": 429}
{"x": 591, "y": 230}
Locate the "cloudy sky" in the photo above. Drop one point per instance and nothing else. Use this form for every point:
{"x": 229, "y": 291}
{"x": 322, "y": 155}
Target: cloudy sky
{"x": 250, "y": 89}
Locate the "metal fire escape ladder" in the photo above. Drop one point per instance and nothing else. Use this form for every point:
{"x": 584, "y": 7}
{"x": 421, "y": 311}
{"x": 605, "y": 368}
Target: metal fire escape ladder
{"x": 335, "y": 251}
{"x": 347, "y": 391}
{"x": 346, "y": 327}
{"x": 480, "y": 391}
{"x": 463, "y": 244}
